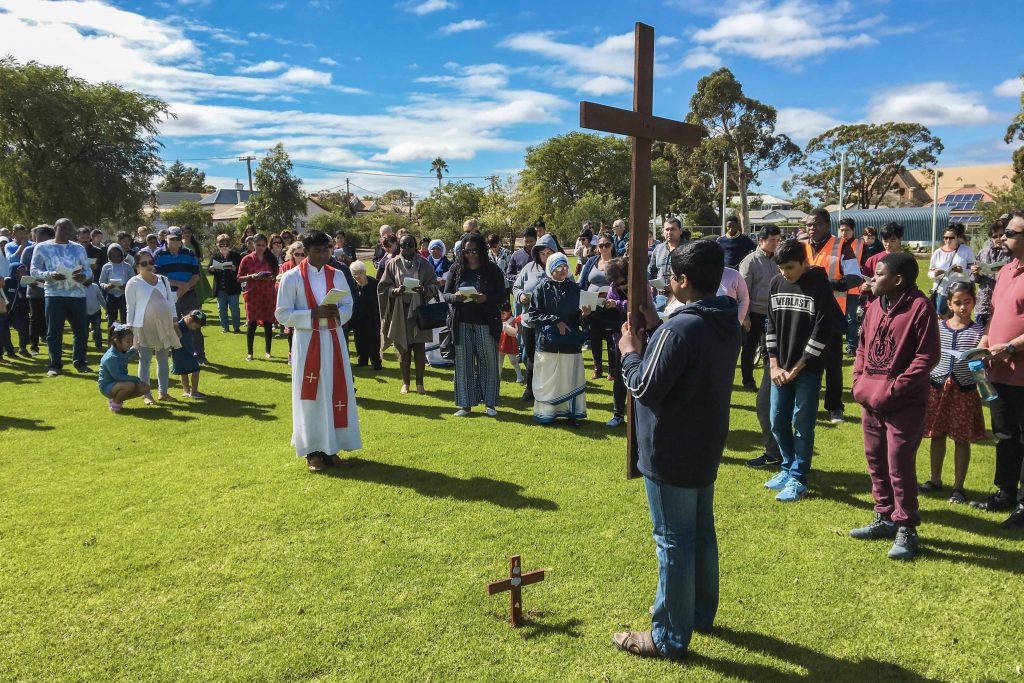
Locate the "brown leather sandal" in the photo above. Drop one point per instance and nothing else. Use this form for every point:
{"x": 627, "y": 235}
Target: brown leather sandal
{"x": 639, "y": 643}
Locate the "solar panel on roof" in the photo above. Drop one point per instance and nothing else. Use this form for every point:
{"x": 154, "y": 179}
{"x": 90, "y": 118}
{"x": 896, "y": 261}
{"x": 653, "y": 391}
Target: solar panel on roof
{"x": 974, "y": 197}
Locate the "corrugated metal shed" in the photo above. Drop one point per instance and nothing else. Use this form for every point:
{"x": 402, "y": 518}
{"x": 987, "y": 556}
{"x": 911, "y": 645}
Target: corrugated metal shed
{"x": 917, "y": 222}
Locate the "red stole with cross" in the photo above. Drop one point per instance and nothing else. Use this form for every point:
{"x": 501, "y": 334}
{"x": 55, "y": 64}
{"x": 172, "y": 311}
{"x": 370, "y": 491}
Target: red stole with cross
{"x": 311, "y": 368}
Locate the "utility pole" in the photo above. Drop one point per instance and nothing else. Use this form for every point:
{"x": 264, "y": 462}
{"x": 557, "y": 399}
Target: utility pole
{"x": 410, "y": 206}
{"x": 248, "y": 167}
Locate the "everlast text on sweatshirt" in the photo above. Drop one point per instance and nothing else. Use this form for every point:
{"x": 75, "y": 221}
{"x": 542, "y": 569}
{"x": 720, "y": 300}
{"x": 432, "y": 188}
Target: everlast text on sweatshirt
{"x": 799, "y": 322}
{"x": 899, "y": 346}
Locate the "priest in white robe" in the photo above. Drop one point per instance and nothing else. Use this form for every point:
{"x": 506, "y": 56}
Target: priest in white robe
{"x": 324, "y": 416}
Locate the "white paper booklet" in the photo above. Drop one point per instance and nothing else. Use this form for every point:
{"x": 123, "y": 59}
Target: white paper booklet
{"x": 659, "y": 284}
{"x": 222, "y": 265}
{"x": 333, "y": 297}
{"x": 590, "y": 299}
{"x": 69, "y": 273}
{"x": 92, "y": 262}
{"x": 410, "y": 283}
{"x": 990, "y": 268}
{"x": 468, "y": 291}
{"x": 116, "y": 282}
{"x": 27, "y": 280}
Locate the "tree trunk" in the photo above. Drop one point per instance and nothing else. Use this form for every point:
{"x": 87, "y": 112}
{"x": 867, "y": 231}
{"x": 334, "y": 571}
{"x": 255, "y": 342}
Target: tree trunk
{"x": 741, "y": 185}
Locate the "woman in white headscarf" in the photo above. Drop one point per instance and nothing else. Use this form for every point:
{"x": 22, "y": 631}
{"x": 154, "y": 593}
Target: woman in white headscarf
{"x": 436, "y": 256}
{"x": 559, "y": 379}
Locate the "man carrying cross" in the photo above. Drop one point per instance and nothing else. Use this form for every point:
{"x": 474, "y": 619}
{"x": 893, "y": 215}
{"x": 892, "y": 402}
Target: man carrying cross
{"x": 324, "y": 417}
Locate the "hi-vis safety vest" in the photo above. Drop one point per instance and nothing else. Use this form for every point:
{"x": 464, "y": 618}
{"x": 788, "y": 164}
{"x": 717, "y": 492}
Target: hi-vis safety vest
{"x": 857, "y": 245}
{"x": 830, "y": 257}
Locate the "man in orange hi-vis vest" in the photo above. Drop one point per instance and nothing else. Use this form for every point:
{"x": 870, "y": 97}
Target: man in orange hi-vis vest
{"x": 831, "y": 253}
{"x": 846, "y": 231}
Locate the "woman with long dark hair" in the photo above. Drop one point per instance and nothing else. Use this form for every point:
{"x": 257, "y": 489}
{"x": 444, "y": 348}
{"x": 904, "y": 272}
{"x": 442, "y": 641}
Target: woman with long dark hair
{"x": 475, "y": 324}
{"x": 258, "y": 271}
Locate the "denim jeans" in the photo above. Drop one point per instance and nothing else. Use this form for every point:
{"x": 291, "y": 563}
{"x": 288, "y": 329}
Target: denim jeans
{"x": 61, "y": 309}
{"x": 852, "y": 326}
{"x": 794, "y": 409}
{"x": 224, "y": 302}
{"x": 684, "y": 533}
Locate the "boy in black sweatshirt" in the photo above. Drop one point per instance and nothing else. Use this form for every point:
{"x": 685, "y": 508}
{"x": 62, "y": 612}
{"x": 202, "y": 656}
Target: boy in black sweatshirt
{"x": 801, "y": 308}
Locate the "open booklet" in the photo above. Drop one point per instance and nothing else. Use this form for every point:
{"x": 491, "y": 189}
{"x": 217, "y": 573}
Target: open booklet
{"x": 222, "y": 265}
{"x": 593, "y": 300}
{"x": 27, "y": 280}
{"x": 333, "y": 297}
{"x": 969, "y": 355}
{"x": 991, "y": 268}
{"x": 468, "y": 291}
{"x": 658, "y": 284}
{"x": 69, "y": 273}
{"x": 410, "y": 283}
{"x": 116, "y": 282}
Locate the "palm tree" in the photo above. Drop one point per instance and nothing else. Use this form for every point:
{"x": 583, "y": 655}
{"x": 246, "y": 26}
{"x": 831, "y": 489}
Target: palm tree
{"x": 438, "y": 166}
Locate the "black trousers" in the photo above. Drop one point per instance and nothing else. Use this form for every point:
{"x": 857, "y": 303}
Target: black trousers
{"x": 751, "y": 342}
{"x": 530, "y": 347}
{"x": 618, "y": 386}
{"x": 764, "y": 412}
{"x": 367, "y": 338}
{"x": 834, "y": 372}
{"x": 36, "y": 321}
{"x": 1008, "y": 428}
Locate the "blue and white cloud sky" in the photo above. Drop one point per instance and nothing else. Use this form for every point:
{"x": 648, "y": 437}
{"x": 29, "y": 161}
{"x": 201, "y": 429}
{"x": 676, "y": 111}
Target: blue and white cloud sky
{"x": 384, "y": 87}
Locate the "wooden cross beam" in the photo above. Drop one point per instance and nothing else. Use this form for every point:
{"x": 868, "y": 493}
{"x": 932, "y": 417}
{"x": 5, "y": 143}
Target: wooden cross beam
{"x": 644, "y": 128}
{"x": 514, "y": 584}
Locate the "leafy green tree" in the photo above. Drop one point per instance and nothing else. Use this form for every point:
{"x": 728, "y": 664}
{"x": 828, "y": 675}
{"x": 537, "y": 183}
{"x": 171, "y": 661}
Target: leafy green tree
{"x": 71, "y": 148}
{"x": 190, "y": 215}
{"x": 875, "y": 154}
{"x": 742, "y": 130}
{"x": 439, "y": 166}
{"x": 442, "y": 213}
{"x": 559, "y": 171}
{"x": 181, "y": 178}
{"x": 396, "y": 197}
{"x": 1015, "y": 131}
{"x": 602, "y": 210}
{"x": 279, "y": 197}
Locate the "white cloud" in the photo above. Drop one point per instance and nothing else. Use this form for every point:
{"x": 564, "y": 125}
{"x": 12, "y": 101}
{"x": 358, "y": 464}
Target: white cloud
{"x": 605, "y": 85}
{"x": 666, "y": 40}
{"x": 427, "y": 6}
{"x": 328, "y": 61}
{"x": 464, "y": 25}
{"x": 1011, "y": 87}
{"x": 932, "y": 104}
{"x": 788, "y": 32}
{"x": 303, "y": 76}
{"x": 612, "y": 56}
{"x": 803, "y": 124}
{"x": 266, "y": 67}
{"x": 701, "y": 58}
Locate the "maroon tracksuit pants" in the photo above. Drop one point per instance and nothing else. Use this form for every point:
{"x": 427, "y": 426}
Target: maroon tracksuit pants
{"x": 891, "y": 440}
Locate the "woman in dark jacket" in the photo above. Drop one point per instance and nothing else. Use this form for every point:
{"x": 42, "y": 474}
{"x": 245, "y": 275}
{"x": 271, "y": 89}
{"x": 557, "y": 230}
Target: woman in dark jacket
{"x": 224, "y": 264}
{"x": 475, "y": 324}
{"x": 559, "y": 381}
{"x": 365, "y": 321}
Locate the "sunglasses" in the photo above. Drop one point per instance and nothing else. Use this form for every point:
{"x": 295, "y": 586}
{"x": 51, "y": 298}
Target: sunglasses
{"x": 952, "y": 237}
{"x": 143, "y": 264}
{"x": 1010, "y": 234}
{"x": 604, "y": 246}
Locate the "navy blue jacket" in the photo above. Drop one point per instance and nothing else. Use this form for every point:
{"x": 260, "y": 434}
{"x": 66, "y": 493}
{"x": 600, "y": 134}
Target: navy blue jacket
{"x": 555, "y": 302}
{"x": 683, "y": 385}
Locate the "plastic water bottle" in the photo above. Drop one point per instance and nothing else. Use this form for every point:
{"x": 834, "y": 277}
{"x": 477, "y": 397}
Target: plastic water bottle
{"x": 988, "y": 392}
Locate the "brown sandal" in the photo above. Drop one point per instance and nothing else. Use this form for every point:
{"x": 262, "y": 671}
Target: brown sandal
{"x": 638, "y": 643}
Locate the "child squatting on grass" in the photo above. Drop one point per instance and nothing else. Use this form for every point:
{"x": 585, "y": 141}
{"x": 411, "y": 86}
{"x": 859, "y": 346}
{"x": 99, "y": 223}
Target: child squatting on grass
{"x": 183, "y": 360}
{"x": 954, "y": 406}
{"x": 114, "y": 381}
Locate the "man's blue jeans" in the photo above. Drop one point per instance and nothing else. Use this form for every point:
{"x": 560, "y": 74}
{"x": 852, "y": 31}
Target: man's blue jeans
{"x": 852, "y": 326}
{"x": 61, "y": 309}
{"x": 684, "y": 533}
{"x": 225, "y": 300}
{"x": 794, "y": 409}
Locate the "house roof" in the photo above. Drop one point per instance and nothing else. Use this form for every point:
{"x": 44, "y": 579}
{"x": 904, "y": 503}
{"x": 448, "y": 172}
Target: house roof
{"x": 777, "y": 214}
{"x": 230, "y": 213}
{"x": 231, "y": 197}
{"x": 917, "y": 222}
{"x": 167, "y": 200}
{"x": 953, "y": 178}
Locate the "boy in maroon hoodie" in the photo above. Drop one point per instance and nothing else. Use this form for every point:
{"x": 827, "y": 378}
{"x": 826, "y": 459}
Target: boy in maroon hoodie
{"x": 899, "y": 345}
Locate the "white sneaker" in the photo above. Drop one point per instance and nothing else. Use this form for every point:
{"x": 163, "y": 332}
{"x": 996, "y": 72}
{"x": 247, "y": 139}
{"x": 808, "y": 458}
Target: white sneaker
{"x": 249, "y": 357}
{"x": 836, "y": 417}
{"x": 491, "y": 412}
{"x": 52, "y": 373}
{"x": 461, "y": 412}
{"x": 267, "y": 356}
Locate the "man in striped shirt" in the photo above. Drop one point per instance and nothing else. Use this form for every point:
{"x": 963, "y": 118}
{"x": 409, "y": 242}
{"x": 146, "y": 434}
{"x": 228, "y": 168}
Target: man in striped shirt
{"x": 179, "y": 265}
{"x": 801, "y": 312}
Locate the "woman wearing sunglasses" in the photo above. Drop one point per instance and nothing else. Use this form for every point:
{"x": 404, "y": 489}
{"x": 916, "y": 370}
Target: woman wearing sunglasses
{"x": 605, "y": 321}
{"x": 151, "y": 313}
{"x": 949, "y": 263}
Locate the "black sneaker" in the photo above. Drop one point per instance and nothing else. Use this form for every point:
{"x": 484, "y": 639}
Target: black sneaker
{"x": 905, "y": 545}
{"x": 1000, "y": 501}
{"x": 881, "y": 527}
{"x": 1015, "y": 520}
{"x": 764, "y": 462}
{"x": 84, "y": 369}
{"x": 527, "y": 395}
{"x": 750, "y": 386}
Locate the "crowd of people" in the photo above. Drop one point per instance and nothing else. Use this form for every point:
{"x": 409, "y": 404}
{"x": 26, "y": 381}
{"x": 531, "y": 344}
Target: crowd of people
{"x": 796, "y": 305}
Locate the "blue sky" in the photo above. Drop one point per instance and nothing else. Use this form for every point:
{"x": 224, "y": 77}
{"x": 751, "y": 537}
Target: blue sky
{"x": 384, "y": 87}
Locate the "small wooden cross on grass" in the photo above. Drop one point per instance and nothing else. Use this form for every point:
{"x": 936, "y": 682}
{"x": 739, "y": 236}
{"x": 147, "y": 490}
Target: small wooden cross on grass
{"x": 514, "y": 584}
{"x": 644, "y": 128}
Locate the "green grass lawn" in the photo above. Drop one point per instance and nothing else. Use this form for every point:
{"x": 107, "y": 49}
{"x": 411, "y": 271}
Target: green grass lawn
{"x": 186, "y": 542}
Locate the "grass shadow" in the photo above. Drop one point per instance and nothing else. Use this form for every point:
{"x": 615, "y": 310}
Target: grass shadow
{"x": 234, "y": 372}
{"x": 233, "y": 407}
{"x": 26, "y": 423}
{"x": 819, "y": 666}
{"x": 139, "y": 410}
{"x": 985, "y": 556}
{"x": 538, "y": 629}
{"x": 743, "y": 441}
{"x": 504, "y": 494}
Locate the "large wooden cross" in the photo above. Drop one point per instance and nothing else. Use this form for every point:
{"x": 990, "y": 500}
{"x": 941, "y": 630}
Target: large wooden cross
{"x": 644, "y": 128}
